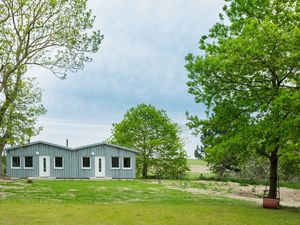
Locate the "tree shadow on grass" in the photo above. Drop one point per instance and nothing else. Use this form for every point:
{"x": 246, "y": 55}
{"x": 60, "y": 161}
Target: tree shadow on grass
{"x": 290, "y": 208}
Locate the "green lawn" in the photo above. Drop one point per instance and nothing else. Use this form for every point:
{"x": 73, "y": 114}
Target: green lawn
{"x": 125, "y": 202}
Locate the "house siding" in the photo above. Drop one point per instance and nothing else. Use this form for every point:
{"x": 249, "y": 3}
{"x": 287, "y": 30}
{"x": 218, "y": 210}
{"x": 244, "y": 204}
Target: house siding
{"x": 72, "y": 165}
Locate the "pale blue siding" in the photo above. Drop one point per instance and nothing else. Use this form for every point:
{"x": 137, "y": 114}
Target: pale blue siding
{"x": 72, "y": 165}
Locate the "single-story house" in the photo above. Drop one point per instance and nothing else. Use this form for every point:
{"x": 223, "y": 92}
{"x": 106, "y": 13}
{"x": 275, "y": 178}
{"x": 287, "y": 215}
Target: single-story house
{"x": 44, "y": 159}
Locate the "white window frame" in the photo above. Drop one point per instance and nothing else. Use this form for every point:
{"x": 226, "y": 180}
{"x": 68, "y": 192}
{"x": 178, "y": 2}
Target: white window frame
{"x": 63, "y": 163}
{"x": 127, "y": 168}
{"x": 28, "y": 168}
{"x": 11, "y": 165}
{"x": 115, "y": 168}
{"x": 85, "y": 168}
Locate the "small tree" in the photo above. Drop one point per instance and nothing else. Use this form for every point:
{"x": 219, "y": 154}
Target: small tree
{"x": 249, "y": 78}
{"x": 152, "y": 133}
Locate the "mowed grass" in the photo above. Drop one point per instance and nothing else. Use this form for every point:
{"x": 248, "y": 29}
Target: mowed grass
{"x": 125, "y": 202}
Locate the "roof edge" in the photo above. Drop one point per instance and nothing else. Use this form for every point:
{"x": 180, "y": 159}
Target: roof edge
{"x": 67, "y": 148}
{"x": 35, "y": 143}
{"x": 105, "y": 143}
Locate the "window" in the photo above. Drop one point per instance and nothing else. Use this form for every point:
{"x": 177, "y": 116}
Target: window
{"x": 15, "y": 162}
{"x": 86, "y": 163}
{"x": 58, "y": 163}
{"x": 29, "y": 162}
{"x": 127, "y": 163}
{"x": 115, "y": 163}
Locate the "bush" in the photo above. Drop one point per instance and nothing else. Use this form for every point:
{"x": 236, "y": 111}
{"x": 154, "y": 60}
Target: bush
{"x": 255, "y": 168}
{"x": 289, "y": 167}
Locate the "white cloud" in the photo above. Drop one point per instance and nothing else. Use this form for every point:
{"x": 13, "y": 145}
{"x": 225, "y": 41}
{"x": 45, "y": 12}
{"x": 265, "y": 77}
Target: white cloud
{"x": 141, "y": 60}
{"x": 79, "y": 133}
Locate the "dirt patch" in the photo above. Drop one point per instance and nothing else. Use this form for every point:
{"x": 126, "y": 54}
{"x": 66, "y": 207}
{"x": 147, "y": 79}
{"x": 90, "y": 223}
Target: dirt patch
{"x": 289, "y": 197}
{"x": 199, "y": 169}
{"x": 100, "y": 188}
{"x": 4, "y": 195}
{"x": 73, "y": 190}
{"x": 6, "y": 181}
{"x": 124, "y": 189}
{"x": 10, "y": 187}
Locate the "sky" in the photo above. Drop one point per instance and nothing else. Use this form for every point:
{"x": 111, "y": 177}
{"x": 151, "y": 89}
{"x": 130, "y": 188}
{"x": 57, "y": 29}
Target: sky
{"x": 141, "y": 60}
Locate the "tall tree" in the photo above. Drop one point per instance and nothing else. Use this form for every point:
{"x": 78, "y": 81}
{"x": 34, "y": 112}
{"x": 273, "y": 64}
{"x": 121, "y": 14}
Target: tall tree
{"x": 19, "y": 123}
{"x": 52, "y": 34}
{"x": 249, "y": 78}
{"x": 156, "y": 137}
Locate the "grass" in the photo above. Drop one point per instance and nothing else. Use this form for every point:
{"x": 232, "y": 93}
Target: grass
{"x": 141, "y": 213}
{"x": 196, "y": 162}
{"x": 125, "y": 202}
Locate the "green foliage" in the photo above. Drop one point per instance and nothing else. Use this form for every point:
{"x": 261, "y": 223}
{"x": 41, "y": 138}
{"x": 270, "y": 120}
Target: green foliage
{"x": 249, "y": 79}
{"x": 49, "y": 34}
{"x": 289, "y": 166}
{"x": 199, "y": 152}
{"x": 19, "y": 122}
{"x": 156, "y": 137}
{"x": 256, "y": 167}
{"x": 20, "y": 118}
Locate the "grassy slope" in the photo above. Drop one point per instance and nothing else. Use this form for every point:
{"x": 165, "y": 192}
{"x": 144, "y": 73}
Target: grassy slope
{"x": 126, "y": 202}
{"x": 195, "y": 175}
{"x": 196, "y": 162}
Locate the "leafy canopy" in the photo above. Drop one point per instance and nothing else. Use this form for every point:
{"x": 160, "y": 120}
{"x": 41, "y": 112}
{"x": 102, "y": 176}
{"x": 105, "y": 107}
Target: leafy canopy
{"x": 52, "y": 34}
{"x": 156, "y": 137}
{"x": 249, "y": 78}
{"x": 20, "y": 119}
{"x": 48, "y": 33}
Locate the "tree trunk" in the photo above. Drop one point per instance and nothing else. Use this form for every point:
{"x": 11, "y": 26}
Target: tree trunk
{"x": 273, "y": 174}
{"x": 2, "y": 144}
{"x": 1, "y": 164}
{"x": 145, "y": 171}
{"x": 9, "y": 97}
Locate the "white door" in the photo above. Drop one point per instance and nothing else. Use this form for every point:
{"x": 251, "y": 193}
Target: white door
{"x": 44, "y": 166}
{"x": 99, "y": 166}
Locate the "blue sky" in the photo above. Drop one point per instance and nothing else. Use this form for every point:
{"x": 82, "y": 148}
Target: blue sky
{"x": 141, "y": 60}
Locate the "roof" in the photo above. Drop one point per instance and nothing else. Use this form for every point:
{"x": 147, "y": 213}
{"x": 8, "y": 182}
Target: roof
{"x": 68, "y": 148}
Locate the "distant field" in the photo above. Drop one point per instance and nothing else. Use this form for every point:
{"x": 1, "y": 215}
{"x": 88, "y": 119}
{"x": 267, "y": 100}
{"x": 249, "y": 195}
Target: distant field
{"x": 196, "y": 162}
{"x": 197, "y": 167}
{"x": 127, "y": 202}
